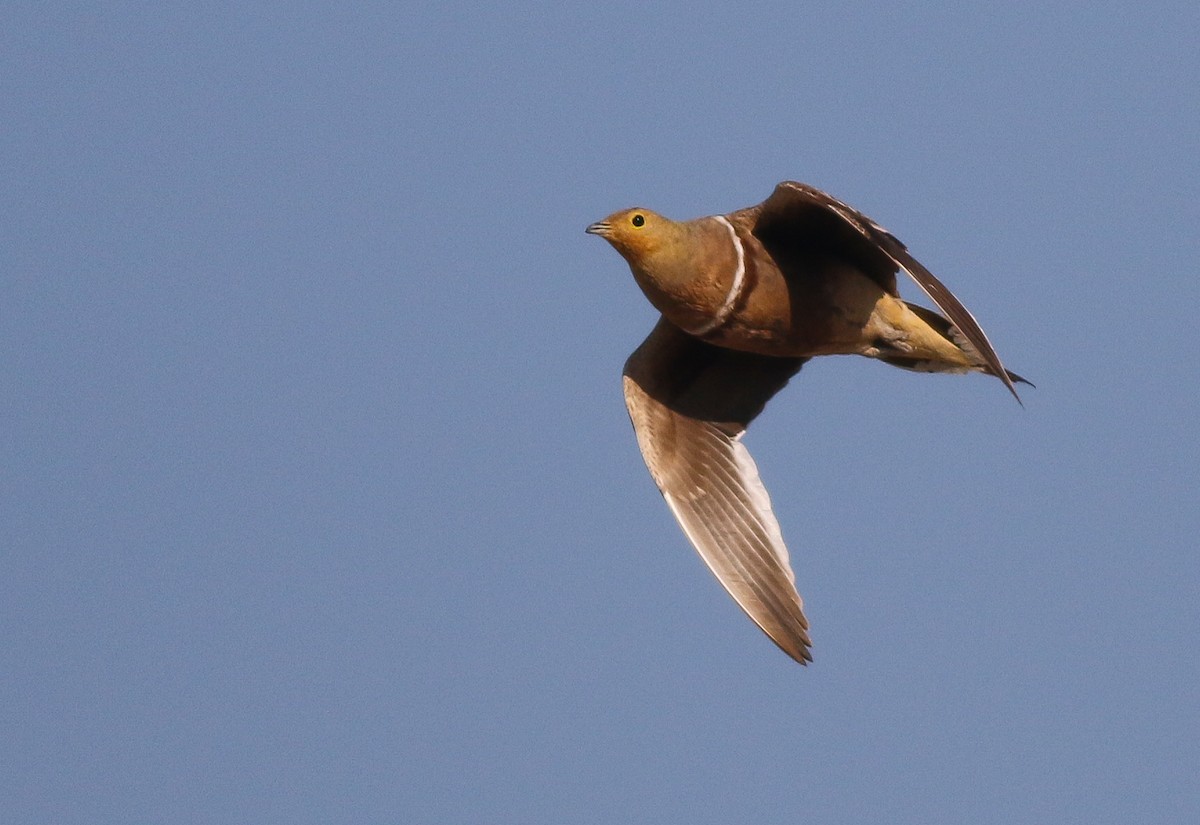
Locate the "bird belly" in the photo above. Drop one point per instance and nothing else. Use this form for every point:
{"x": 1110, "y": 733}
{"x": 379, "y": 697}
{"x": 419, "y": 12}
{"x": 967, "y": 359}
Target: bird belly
{"x": 805, "y": 316}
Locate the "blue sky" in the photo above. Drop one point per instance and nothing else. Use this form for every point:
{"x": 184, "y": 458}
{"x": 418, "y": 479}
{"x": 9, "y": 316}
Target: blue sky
{"x": 319, "y": 500}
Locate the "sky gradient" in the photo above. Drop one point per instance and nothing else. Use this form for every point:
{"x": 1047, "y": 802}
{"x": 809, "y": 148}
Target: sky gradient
{"x": 319, "y": 501}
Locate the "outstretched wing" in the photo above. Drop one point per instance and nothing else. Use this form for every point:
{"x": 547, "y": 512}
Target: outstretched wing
{"x": 796, "y": 209}
{"x": 690, "y": 403}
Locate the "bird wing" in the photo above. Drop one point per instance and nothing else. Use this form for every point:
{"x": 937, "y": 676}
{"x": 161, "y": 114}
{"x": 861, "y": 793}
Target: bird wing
{"x": 791, "y": 210}
{"x": 690, "y": 403}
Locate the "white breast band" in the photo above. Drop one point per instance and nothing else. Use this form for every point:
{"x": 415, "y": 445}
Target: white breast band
{"x": 735, "y": 288}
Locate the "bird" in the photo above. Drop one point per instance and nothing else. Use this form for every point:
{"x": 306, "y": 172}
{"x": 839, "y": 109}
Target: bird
{"x": 745, "y": 299}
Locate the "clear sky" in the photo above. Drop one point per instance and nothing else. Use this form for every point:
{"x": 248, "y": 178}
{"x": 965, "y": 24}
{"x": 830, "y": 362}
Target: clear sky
{"x": 319, "y": 501}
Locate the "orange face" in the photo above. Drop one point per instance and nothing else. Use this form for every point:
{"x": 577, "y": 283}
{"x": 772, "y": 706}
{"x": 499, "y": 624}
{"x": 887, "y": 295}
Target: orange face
{"x": 635, "y": 233}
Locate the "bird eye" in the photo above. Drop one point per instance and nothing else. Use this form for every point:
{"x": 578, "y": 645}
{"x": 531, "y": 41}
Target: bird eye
{"x": 637, "y": 220}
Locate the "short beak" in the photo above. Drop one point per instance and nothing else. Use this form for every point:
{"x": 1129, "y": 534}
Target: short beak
{"x": 600, "y": 228}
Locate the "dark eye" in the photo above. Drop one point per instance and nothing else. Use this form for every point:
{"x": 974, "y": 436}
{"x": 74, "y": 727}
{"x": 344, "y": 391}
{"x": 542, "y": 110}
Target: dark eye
{"x": 637, "y": 220}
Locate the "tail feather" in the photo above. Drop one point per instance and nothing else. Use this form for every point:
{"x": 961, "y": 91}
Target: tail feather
{"x": 971, "y": 359}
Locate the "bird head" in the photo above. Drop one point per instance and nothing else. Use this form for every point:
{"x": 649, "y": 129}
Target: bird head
{"x": 636, "y": 233}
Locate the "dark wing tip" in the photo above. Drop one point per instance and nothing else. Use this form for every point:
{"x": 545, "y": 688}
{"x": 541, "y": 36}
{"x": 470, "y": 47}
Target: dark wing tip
{"x": 802, "y": 654}
{"x": 1010, "y": 378}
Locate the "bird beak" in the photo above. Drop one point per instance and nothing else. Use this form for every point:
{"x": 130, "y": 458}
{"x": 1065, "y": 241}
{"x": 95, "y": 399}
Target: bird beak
{"x": 601, "y": 228}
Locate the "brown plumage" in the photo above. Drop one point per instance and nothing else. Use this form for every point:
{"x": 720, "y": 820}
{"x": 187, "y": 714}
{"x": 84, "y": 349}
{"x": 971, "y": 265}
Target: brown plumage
{"x": 747, "y": 298}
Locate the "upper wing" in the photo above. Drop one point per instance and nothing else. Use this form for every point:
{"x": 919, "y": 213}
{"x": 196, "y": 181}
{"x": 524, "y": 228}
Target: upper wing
{"x": 796, "y": 208}
{"x": 690, "y": 402}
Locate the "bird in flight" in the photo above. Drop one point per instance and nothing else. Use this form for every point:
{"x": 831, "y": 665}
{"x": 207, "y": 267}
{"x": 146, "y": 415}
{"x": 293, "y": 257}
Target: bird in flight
{"x": 746, "y": 298}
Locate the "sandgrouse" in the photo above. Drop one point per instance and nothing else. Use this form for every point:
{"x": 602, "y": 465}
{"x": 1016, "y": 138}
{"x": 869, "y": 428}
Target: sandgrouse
{"x": 747, "y": 298}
